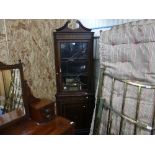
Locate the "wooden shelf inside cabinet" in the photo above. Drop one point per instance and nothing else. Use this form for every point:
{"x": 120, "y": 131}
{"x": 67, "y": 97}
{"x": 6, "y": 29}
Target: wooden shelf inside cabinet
{"x": 42, "y": 111}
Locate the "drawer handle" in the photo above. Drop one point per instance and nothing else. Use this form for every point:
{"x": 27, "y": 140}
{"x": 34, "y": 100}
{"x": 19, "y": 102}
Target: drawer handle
{"x": 87, "y": 97}
{"x": 83, "y": 106}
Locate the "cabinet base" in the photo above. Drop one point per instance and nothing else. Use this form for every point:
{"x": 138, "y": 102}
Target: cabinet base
{"x": 82, "y": 131}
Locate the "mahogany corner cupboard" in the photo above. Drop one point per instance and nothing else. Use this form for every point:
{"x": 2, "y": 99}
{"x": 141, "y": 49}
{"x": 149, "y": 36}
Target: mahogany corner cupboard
{"x": 74, "y": 75}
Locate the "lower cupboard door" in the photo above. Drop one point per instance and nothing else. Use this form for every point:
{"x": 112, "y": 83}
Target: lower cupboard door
{"x": 77, "y": 113}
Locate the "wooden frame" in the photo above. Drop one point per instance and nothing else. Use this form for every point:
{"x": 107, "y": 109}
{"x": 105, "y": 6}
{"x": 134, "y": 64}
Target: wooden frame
{"x": 15, "y": 114}
{"x": 78, "y": 102}
{"x": 40, "y": 108}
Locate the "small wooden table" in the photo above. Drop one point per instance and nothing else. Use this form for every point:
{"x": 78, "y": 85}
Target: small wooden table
{"x": 57, "y": 126}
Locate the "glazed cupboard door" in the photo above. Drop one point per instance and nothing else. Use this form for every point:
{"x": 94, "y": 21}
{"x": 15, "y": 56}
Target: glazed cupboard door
{"x": 74, "y": 74}
{"x": 74, "y": 66}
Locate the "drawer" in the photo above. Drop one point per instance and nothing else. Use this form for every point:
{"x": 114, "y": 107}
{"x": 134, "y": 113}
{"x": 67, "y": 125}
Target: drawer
{"x": 48, "y": 112}
{"x": 42, "y": 111}
{"x": 71, "y": 99}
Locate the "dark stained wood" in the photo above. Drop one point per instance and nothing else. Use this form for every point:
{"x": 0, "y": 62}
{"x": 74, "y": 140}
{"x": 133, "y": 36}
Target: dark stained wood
{"x": 57, "y": 126}
{"x": 42, "y": 111}
{"x": 65, "y": 28}
{"x": 78, "y": 109}
{"x": 15, "y": 117}
{"x": 75, "y": 105}
{"x": 36, "y": 110}
{"x": 29, "y": 98}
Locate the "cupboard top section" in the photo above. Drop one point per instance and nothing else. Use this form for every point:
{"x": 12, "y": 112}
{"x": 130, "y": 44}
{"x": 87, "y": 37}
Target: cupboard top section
{"x": 73, "y": 36}
{"x": 80, "y": 28}
{"x": 67, "y": 33}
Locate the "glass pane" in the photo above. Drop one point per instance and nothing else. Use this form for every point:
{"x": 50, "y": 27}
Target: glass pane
{"x": 74, "y": 67}
{"x": 74, "y": 63}
{"x": 74, "y": 50}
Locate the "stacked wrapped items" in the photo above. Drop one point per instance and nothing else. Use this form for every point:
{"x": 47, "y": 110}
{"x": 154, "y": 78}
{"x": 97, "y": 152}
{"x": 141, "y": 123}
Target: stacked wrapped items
{"x": 128, "y": 53}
